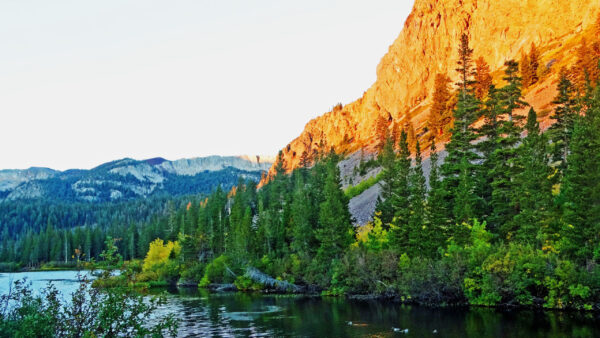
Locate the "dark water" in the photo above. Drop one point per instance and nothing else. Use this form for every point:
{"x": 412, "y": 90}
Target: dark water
{"x": 205, "y": 314}
{"x": 237, "y": 314}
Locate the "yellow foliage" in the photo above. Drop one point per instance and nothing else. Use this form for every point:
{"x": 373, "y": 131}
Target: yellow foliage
{"x": 159, "y": 253}
{"x": 362, "y": 233}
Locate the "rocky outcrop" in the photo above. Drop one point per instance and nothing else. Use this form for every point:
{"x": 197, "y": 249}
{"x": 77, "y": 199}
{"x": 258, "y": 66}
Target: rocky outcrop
{"x": 498, "y": 31}
{"x": 11, "y": 178}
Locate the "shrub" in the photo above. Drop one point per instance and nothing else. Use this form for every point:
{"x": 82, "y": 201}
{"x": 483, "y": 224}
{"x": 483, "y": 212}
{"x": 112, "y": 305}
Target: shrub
{"x": 216, "y": 272}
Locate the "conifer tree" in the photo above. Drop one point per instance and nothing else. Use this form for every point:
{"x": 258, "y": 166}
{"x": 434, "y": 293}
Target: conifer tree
{"x": 301, "y": 229}
{"x": 533, "y": 189}
{"x": 336, "y": 232}
{"x": 436, "y": 216}
{"x": 487, "y": 148}
{"x": 439, "y": 114}
{"x": 381, "y": 131}
{"x": 463, "y": 134}
{"x": 417, "y": 198}
{"x": 503, "y": 170}
{"x": 399, "y": 199}
{"x": 389, "y": 175}
{"x": 534, "y": 65}
{"x": 526, "y": 71}
{"x": 465, "y": 199}
{"x": 483, "y": 79}
{"x": 580, "y": 194}
{"x": 561, "y": 130}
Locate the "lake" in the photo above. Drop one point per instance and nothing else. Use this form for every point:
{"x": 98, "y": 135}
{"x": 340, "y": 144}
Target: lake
{"x": 205, "y": 314}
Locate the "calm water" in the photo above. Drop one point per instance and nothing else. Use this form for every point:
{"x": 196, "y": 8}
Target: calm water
{"x": 205, "y": 314}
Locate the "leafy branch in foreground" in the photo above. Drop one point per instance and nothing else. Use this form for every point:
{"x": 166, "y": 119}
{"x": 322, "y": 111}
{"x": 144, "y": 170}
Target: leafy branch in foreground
{"x": 91, "y": 312}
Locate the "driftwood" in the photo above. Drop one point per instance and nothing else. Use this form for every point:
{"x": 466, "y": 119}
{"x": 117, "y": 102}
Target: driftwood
{"x": 259, "y": 277}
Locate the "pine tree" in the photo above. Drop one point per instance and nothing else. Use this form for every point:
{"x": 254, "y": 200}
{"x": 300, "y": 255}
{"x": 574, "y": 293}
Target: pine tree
{"x": 465, "y": 65}
{"x": 487, "y": 148}
{"x": 417, "y": 198}
{"x": 534, "y": 65}
{"x": 585, "y": 67}
{"x": 439, "y": 115}
{"x": 533, "y": 189}
{"x": 437, "y": 217}
{"x": 504, "y": 170}
{"x": 526, "y": 71}
{"x": 381, "y": 131}
{"x": 336, "y": 232}
{"x": 580, "y": 194}
{"x": 301, "y": 225}
{"x": 465, "y": 198}
{"x": 399, "y": 199}
{"x": 483, "y": 79}
{"x": 463, "y": 134}
{"x": 387, "y": 159}
{"x": 564, "y": 115}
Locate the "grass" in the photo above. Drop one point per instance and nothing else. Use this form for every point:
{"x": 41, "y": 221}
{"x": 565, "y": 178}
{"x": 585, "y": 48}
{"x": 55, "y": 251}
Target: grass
{"x": 358, "y": 189}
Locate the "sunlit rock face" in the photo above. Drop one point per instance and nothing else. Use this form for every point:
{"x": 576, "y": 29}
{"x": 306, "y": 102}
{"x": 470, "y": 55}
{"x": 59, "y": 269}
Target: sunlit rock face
{"x": 428, "y": 44}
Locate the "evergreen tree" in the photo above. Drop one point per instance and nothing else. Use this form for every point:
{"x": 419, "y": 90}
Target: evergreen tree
{"x": 417, "y": 198}
{"x": 483, "y": 79}
{"x": 399, "y": 200}
{"x": 440, "y": 116}
{"x": 336, "y": 232}
{"x": 301, "y": 229}
{"x": 580, "y": 194}
{"x": 526, "y": 71}
{"x": 504, "y": 169}
{"x": 436, "y": 217}
{"x": 490, "y": 130}
{"x": 534, "y": 64}
{"x": 564, "y": 115}
{"x": 463, "y": 134}
{"x": 389, "y": 176}
{"x": 533, "y": 189}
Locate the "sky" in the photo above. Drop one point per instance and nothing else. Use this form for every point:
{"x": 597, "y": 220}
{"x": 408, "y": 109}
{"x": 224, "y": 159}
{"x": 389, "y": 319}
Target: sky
{"x": 87, "y": 82}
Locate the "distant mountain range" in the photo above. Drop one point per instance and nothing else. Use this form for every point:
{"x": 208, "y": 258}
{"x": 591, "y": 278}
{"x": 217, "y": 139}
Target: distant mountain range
{"x": 127, "y": 178}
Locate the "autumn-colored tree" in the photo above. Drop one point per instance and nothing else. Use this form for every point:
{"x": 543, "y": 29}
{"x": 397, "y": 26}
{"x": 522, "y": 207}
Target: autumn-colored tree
{"x": 439, "y": 115}
{"x": 585, "y": 70}
{"x": 410, "y": 132}
{"x": 483, "y": 78}
{"x": 534, "y": 64}
{"x": 159, "y": 253}
{"x": 526, "y": 72}
{"x": 381, "y": 131}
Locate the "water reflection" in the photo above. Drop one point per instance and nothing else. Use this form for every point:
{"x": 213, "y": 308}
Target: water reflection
{"x": 205, "y": 314}
{"x": 237, "y": 314}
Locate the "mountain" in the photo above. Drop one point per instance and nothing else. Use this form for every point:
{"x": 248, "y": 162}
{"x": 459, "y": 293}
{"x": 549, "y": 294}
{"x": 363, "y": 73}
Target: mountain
{"x": 428, "y": 45}
{"x": 128, "y": 179}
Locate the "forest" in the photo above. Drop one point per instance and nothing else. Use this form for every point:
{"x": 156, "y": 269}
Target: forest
{"x": 510, "y": 216}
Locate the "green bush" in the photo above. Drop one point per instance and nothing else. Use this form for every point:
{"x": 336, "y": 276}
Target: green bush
{"x": 244, "y": 283}
{"x": 193, "y": 273}
{"x": 216, "y": 272}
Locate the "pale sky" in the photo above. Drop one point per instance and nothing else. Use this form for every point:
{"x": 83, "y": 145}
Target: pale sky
{"x": 86, "y": 82}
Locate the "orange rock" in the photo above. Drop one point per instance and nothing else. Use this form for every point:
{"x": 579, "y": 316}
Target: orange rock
{"x": 428, "y": 44}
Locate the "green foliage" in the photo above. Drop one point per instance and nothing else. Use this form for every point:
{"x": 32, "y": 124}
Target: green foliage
{"x": 244, "y": 283}
{"x": 91, "y": 312}
{"x": 358, "y": 189}
{"x": 217, "y": 272}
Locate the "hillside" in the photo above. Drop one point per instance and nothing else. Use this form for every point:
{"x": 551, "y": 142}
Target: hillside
{"x": 128, "y": 179}
{"x": 402, "y": 94}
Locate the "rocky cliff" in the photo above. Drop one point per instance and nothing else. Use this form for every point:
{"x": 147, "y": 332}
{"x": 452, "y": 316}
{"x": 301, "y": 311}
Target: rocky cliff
{"x": 428, "y": 44}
